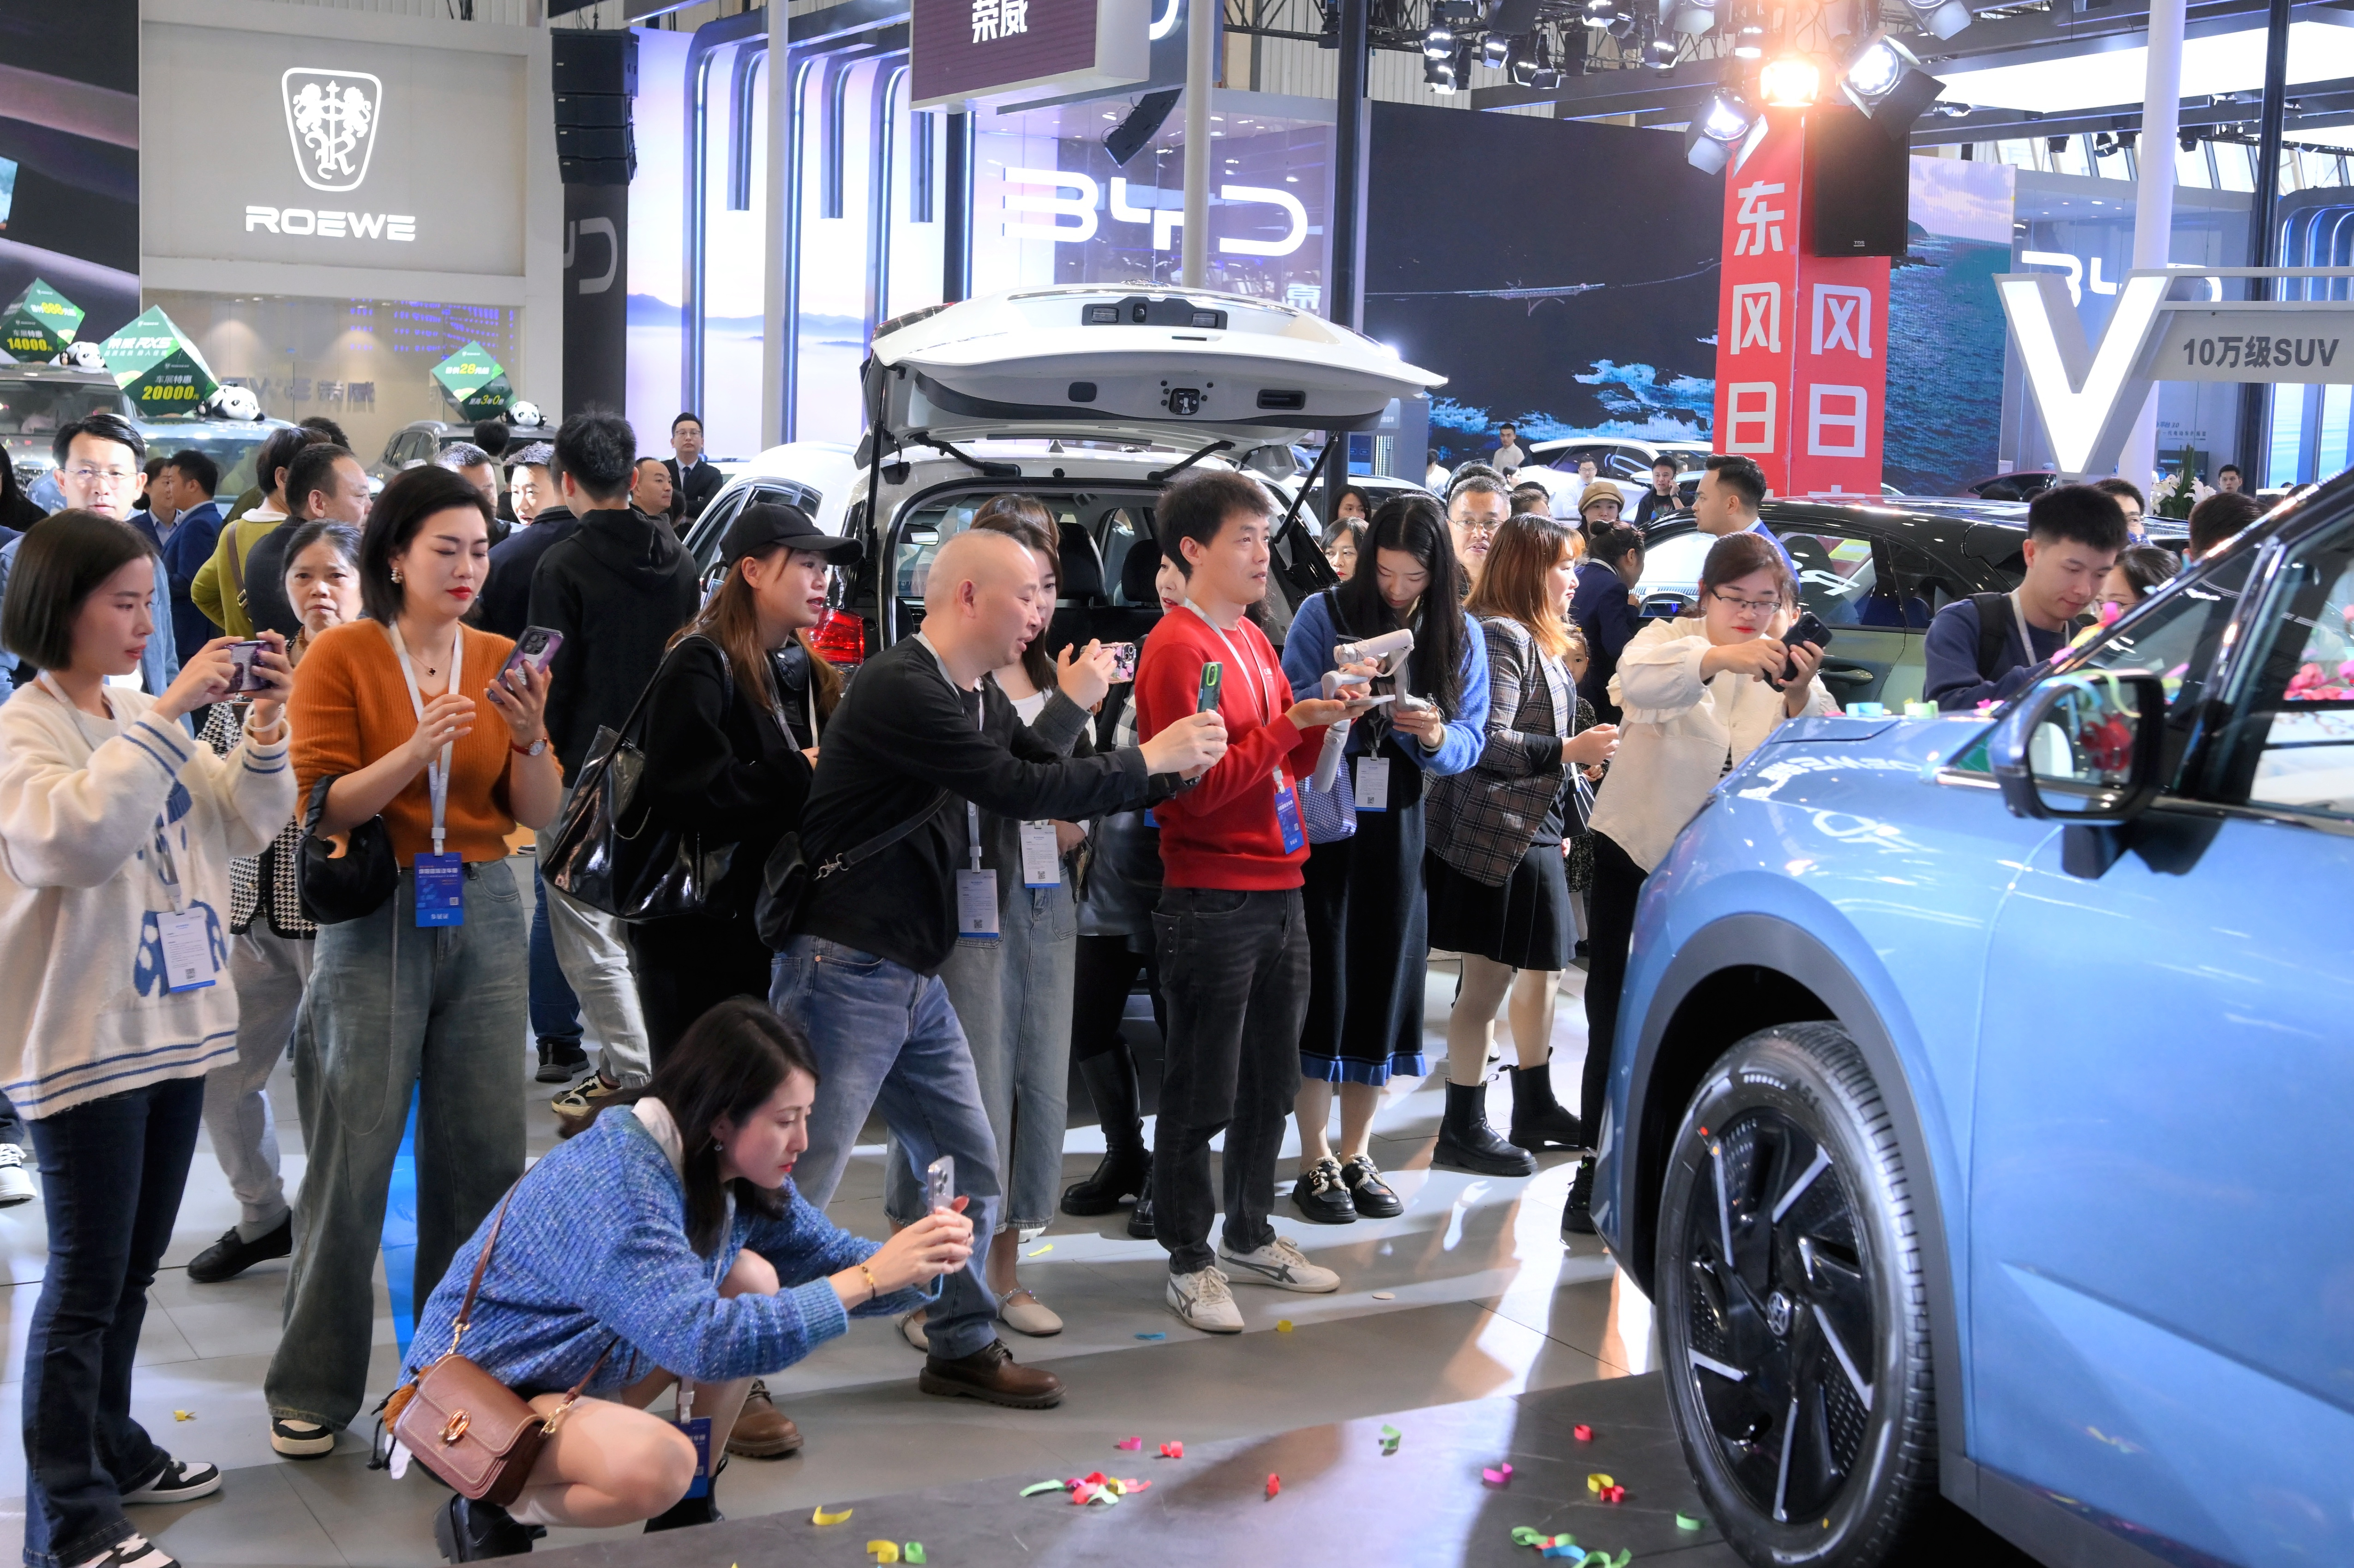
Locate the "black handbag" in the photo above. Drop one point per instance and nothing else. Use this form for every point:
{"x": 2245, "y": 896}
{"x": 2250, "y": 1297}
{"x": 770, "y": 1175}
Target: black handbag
{"x": 334, "y": 888}
{"x": 611, "y": 855}
{"x": 787, "y": 878}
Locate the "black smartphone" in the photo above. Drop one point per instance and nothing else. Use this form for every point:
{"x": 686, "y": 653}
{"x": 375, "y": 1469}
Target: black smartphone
{"x": 1206, "y": 700}
{"x": 1808, "y": 628}
{"x": 536, "y": 647}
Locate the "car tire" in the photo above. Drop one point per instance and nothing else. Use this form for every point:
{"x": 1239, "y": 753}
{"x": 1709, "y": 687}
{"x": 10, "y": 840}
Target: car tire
{"x": 1798, "y": 1371}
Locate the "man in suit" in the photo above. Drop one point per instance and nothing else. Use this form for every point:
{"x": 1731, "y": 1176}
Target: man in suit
{"x": 692, "y": 482}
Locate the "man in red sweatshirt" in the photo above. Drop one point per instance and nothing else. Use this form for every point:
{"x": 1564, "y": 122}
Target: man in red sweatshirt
{"x": 1233, "y": 947}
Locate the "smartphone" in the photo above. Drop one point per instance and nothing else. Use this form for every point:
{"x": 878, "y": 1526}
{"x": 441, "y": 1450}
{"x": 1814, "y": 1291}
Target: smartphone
{"x": 536, "y": 647}
{"x": 1123, "y": 660}
{"x": 242, "y": 675}
{"x": 1206, "y": 700}
{"x": 939, "y": 1184}
{"x": 1808, "y": 628}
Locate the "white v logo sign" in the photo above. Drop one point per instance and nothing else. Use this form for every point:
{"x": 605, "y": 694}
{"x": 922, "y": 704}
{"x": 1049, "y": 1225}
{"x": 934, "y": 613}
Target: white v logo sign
{"x": 2089, "y": 401}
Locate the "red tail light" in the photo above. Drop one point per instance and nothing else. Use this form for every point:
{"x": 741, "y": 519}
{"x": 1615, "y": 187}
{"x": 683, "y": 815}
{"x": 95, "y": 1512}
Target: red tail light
{"x": 840, "y": 639}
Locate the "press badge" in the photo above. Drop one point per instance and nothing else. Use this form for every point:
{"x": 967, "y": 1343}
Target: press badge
{"x": 441, "y": 889}
{"x": 1042, "y": 860}
{"x": 1286, "y": 815}
{"x": 188, "y": 950}
{"x": 1373, "y": 783}
{"x": 977, "y": 904}
{"x": 698, "y": 1432}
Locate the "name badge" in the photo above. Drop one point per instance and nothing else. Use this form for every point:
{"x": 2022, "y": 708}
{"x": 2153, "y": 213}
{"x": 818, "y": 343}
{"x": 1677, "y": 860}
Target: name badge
{"x": 1286, "y": 815}
{"x": 441, "y": 889}
{"x": 698, "y": 1432}
{"x": 1373, "y": 783}
{"x": 976, "y": 894}
{"x": 1042, "y": 861}
{"x": 188, "y": 950}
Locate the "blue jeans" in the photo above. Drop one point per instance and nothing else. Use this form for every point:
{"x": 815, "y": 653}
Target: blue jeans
{"x": 1013, "y": 998}
{"x": 391, "y": 1008}
{"x": 112, "y": 1172}
{"x": 885, "y": 1036}
{"x": 555, "y": 1010}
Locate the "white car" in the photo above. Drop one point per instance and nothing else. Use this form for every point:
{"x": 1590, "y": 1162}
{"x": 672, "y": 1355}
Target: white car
{"x": 1089, "y": 398}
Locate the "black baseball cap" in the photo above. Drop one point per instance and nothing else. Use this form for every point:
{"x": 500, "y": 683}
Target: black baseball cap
{"x": 769, "y": 525}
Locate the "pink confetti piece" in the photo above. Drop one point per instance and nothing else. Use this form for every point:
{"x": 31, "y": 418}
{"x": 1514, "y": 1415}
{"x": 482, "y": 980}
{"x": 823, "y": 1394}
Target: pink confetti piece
{"x": 1499, "y": 1474}
{"x": 1129, "y": 1444}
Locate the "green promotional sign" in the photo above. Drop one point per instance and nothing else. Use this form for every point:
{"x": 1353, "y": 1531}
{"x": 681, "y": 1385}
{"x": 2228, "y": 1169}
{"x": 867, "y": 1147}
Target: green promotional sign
{"x": 39, "y": 323}
{"x": 162, "y": 371}
{"x": 475, "y": 382}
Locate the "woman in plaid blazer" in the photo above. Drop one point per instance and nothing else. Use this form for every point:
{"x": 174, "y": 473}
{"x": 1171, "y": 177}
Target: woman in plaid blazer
{"x": 1499, "y": 892}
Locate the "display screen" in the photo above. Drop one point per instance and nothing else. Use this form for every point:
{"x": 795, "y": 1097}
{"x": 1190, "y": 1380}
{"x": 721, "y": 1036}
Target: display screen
{"x": 8, "y": 190}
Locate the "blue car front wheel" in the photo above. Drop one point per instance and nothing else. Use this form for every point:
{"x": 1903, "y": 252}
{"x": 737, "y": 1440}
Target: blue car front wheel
{"x": 1792, "y": 1317}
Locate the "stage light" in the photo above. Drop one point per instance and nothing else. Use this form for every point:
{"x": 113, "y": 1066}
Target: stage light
{"x": 1793, "y": 81}
{"x": 1942, "y": 18}
{"x": 2187, "y": 141}
{"x": 2105, "y": 145}
{"x": 2055, "y": 144}
{"x": 1622, "y": 26}
{"x": 1495, "y": 51}
{"x": 1886, "y": 82}
{"x": 1693, "y": 15}
{"x": 1438, "y": 43}
{"x": 2127, "y": 138}
{"x": 1660, "y": 54}
{"x": 1709, "y": 140}
{"x": 1438, "y": 72}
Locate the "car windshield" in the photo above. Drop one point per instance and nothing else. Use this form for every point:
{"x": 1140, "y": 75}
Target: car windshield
{"x": 43, "y": 407}
{"x": 233, "y": 452}
{"x": 1672, "y": 571}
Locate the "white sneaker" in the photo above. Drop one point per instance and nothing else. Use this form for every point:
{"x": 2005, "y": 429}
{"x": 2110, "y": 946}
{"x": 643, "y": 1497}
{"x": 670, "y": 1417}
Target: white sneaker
{"x": 15, "y": 1187}
{"x": 1281, "y": 1265}
{"x": 911, "y": 1328}
{"x": 1202, "y": 1302}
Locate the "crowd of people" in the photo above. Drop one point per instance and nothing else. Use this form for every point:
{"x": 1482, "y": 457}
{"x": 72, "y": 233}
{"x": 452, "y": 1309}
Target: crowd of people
{"x": 266, "y": 768}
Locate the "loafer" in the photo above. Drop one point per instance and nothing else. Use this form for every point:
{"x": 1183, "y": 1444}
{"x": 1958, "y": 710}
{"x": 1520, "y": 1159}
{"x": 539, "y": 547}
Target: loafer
{"x": 991, "y": 1375}
{"x": 1320, "y": 1196}
{"x": 475, "y": 1532}
{"x": 761, "y": 1430}
{"x": 1021, "y": 1310}
{"x": 232, "y": 1255}
{"x": 1368, "y": 1194}
{"x": 911, "y": 1328}
{"x": 177, "y": 1482}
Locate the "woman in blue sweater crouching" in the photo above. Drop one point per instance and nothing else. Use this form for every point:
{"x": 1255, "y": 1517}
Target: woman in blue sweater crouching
{"x": 664, "y": 1246}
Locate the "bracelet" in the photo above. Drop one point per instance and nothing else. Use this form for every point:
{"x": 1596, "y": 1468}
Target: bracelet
{"x": 276, "y": 733}
{"x": 874, "y": 1290}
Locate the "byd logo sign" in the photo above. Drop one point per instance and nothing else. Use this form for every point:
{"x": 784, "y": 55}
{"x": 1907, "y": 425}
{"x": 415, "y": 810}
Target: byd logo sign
{"x": 332, "y": 120}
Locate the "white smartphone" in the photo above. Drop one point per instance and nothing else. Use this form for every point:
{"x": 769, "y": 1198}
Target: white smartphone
{"x": 939, "y": 1183}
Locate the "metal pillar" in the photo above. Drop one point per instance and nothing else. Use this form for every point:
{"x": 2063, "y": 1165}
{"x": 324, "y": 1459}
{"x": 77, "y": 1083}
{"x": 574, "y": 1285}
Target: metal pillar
{"x": 2263, "y": 244}
{"x": 1352, "y": 145}
{"x": 956, "y": 213}
{"x": 1201, "y": 78}
{"x": 2161, "y": 121}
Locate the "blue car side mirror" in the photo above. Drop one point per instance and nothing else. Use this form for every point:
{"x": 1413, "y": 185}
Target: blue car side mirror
{"x": 2083, "y": 747}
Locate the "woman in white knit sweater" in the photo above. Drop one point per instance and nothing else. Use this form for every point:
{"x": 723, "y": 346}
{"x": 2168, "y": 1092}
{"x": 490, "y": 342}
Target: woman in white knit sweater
{"x": 116, "y": 833}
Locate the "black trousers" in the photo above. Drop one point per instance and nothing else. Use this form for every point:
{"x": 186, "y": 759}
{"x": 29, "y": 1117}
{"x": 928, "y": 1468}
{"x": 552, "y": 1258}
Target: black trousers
{"x": 1233, "y": 966}
{"x": 1103, "y": 971}
{"x": 688, "y": 963}
{"x": 1609, "y": 932}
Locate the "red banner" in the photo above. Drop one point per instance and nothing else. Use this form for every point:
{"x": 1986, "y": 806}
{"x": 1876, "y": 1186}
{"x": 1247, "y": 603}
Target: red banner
{"x": 1801, "y": 340}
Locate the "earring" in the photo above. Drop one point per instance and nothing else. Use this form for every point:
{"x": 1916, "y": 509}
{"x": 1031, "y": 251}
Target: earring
{"x": 395, "y": 577}
{"x": 718, "y": 1147}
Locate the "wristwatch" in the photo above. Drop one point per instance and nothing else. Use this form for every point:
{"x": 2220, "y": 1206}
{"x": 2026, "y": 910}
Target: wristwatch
{"x": 534, "y": 749}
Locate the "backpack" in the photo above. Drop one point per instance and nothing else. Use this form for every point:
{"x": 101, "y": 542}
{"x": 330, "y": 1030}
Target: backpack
{"x": 1994, "y": 628}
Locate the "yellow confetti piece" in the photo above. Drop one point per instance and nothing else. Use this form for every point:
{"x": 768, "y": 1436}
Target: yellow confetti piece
{"x": 819, "y": 1516}
{"x": 1042, "y": 1250}
{"x": 882, "y": 1551}
{"x": 1283, "y": 1325}
{"x": 184, "y": 1415}
{"x": 1597, "y": 1480}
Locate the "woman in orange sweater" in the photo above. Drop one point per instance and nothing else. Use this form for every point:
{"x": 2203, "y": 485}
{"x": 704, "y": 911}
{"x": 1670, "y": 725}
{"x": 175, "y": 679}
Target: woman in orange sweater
{"x": 411, "y": 716}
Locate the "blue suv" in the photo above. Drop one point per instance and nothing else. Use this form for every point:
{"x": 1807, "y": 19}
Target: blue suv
{"x": 1976, "y": 1118}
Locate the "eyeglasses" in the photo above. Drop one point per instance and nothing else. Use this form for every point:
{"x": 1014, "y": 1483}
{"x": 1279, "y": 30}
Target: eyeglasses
{"x": 1747, "y": 606}
{"x": 1478, "y": 525}
{"x": 112, "y": 475}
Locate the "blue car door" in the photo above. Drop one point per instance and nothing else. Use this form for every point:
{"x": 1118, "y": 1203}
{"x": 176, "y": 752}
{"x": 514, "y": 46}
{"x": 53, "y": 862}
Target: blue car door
{"x": 2162, "y": 1206}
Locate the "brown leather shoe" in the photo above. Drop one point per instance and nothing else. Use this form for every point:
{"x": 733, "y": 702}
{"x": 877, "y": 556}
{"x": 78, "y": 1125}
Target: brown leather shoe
{"x": 762, "y": 1431}
{"x": 992, "y": 1374}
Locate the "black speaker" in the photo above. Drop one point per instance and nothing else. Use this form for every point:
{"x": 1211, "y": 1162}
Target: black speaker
{"x": 596, "y": 79}
{"x": 1857, "y": 185}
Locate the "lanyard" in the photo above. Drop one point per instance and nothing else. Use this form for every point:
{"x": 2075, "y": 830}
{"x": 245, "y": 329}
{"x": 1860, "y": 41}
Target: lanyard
{"x": 437, "y": 775}
{"x": 167, "y": 868}
{"x": 2026, "y": 642}
{"x": 1262, "y": 699}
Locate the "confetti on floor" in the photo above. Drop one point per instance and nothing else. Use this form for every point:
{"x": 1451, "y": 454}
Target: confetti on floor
{"x": 1385, "y": 1294}
{"x": 1129, "y": 1444}
{"x": 1274, "y": 1485}
{"x": 819, "y": 1515}
{"x": 1686, "y": 1521}
{"x": 184, "y": 1415}
{"x": 1042, "y": 1250}
{"x": 1151, "y": 1336}
{"x": 1583, "y": 1433}
{"x": 1497, "y": 1475}
{"x": 1283, "y": 1325}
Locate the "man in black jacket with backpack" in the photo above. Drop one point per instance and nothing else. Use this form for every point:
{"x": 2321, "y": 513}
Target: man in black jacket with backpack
{"x": 1991, "y": 647}
{"x": 616, "y": 590}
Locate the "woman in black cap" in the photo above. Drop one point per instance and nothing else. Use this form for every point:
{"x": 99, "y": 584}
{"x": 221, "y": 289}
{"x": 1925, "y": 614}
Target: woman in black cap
{"x": 731, "y": 741}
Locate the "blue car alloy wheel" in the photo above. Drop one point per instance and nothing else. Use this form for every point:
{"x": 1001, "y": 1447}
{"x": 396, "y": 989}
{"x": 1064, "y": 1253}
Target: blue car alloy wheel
{"x": 1794, "y": 1322}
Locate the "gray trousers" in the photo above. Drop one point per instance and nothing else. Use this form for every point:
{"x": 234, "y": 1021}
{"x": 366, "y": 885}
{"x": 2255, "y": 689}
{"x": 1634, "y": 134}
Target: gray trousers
{"x": 593, "y": 950}
{"x": 269, "y": 972}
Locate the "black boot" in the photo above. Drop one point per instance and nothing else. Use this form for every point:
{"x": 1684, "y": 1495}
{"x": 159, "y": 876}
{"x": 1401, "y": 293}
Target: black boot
{"x": 1466, "y": 1142}
{"x": 1576, "y": 1219}
{"x": 1111, "y": 1079}
{"x": 686, "y": 1511}
{"x": 474, "y": 1531}
{"x": 1139, "y": 1218}
{"x": 1538, "y": 1121}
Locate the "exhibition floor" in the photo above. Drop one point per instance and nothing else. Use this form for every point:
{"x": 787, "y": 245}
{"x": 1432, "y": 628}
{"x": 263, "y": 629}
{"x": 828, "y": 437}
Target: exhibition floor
{"x": 1482, "y": 1301}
